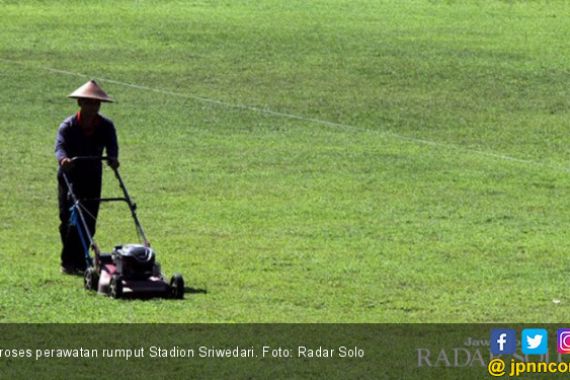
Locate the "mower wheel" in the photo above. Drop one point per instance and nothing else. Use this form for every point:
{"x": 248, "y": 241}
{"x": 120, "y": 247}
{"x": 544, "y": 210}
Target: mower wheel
{"x": 177, "y": 286}
{"x": 91, "y": 279}
{"x": 116, "y": 286}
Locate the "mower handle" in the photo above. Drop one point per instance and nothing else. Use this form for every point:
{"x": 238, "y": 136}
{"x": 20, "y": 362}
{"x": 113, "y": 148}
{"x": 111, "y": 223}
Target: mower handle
{"x": 90, "y": 158}
{"x": 109, "y": 160}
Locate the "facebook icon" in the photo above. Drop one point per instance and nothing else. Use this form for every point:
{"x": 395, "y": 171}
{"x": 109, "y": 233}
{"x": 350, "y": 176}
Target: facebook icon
{"x": 503, "y": 341}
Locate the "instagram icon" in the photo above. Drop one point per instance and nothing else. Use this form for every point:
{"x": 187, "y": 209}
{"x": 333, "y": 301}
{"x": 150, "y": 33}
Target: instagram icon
{"x": 563, "y": 341}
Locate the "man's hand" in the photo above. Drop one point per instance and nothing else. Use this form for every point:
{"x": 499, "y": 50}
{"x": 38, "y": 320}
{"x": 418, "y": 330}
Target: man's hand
{"x": 114, "y": 163}
{"x": 66, "y": 163}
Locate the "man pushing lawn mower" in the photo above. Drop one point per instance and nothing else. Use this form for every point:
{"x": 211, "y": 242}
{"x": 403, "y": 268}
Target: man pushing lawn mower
{"x": 131, "y": 269}
{"x": 86, "y": 133}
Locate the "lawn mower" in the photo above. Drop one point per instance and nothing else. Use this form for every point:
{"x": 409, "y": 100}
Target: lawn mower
{"x": 130, "y": 270}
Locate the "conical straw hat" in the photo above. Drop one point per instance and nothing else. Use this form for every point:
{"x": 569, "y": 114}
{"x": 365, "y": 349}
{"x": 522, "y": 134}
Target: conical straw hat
{"x": 90, "y": 90}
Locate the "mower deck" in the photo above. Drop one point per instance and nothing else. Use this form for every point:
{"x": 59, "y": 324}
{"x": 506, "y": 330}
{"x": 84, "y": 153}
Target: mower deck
{"x": 152, "y": 286}
{"x": 109, "y": 281}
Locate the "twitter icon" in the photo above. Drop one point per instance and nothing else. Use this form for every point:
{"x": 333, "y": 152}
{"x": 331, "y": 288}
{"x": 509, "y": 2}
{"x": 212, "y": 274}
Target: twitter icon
{"x": 534, "y": 341}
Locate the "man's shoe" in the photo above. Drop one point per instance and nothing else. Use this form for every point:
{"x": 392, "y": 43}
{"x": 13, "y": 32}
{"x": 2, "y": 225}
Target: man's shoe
{"x": 72, "y": 271}
{"x": 67, "y": 270}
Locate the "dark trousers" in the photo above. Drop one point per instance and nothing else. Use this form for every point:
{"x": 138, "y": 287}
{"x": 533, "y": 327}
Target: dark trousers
{"x": 85, "y": 187}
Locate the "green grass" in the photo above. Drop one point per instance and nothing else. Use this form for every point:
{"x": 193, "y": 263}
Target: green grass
{"x": 420, "y": 176}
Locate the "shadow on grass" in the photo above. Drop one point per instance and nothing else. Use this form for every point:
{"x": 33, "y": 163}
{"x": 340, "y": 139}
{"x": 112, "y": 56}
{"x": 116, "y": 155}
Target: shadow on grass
{"x": 195, "y": 291}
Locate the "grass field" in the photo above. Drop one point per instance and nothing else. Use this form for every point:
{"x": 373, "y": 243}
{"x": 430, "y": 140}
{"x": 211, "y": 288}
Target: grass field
{"x": 322, "y": 161}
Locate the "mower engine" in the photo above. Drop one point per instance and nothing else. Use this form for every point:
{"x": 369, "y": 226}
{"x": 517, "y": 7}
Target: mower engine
{"x": 134, "y": 261}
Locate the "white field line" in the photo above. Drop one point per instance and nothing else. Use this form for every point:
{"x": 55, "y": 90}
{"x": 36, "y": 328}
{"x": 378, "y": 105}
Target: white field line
{"x": 296, "y": 117}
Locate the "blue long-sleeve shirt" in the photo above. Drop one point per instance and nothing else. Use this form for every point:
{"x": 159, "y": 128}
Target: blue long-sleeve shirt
{"x": 71, "y": 141}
